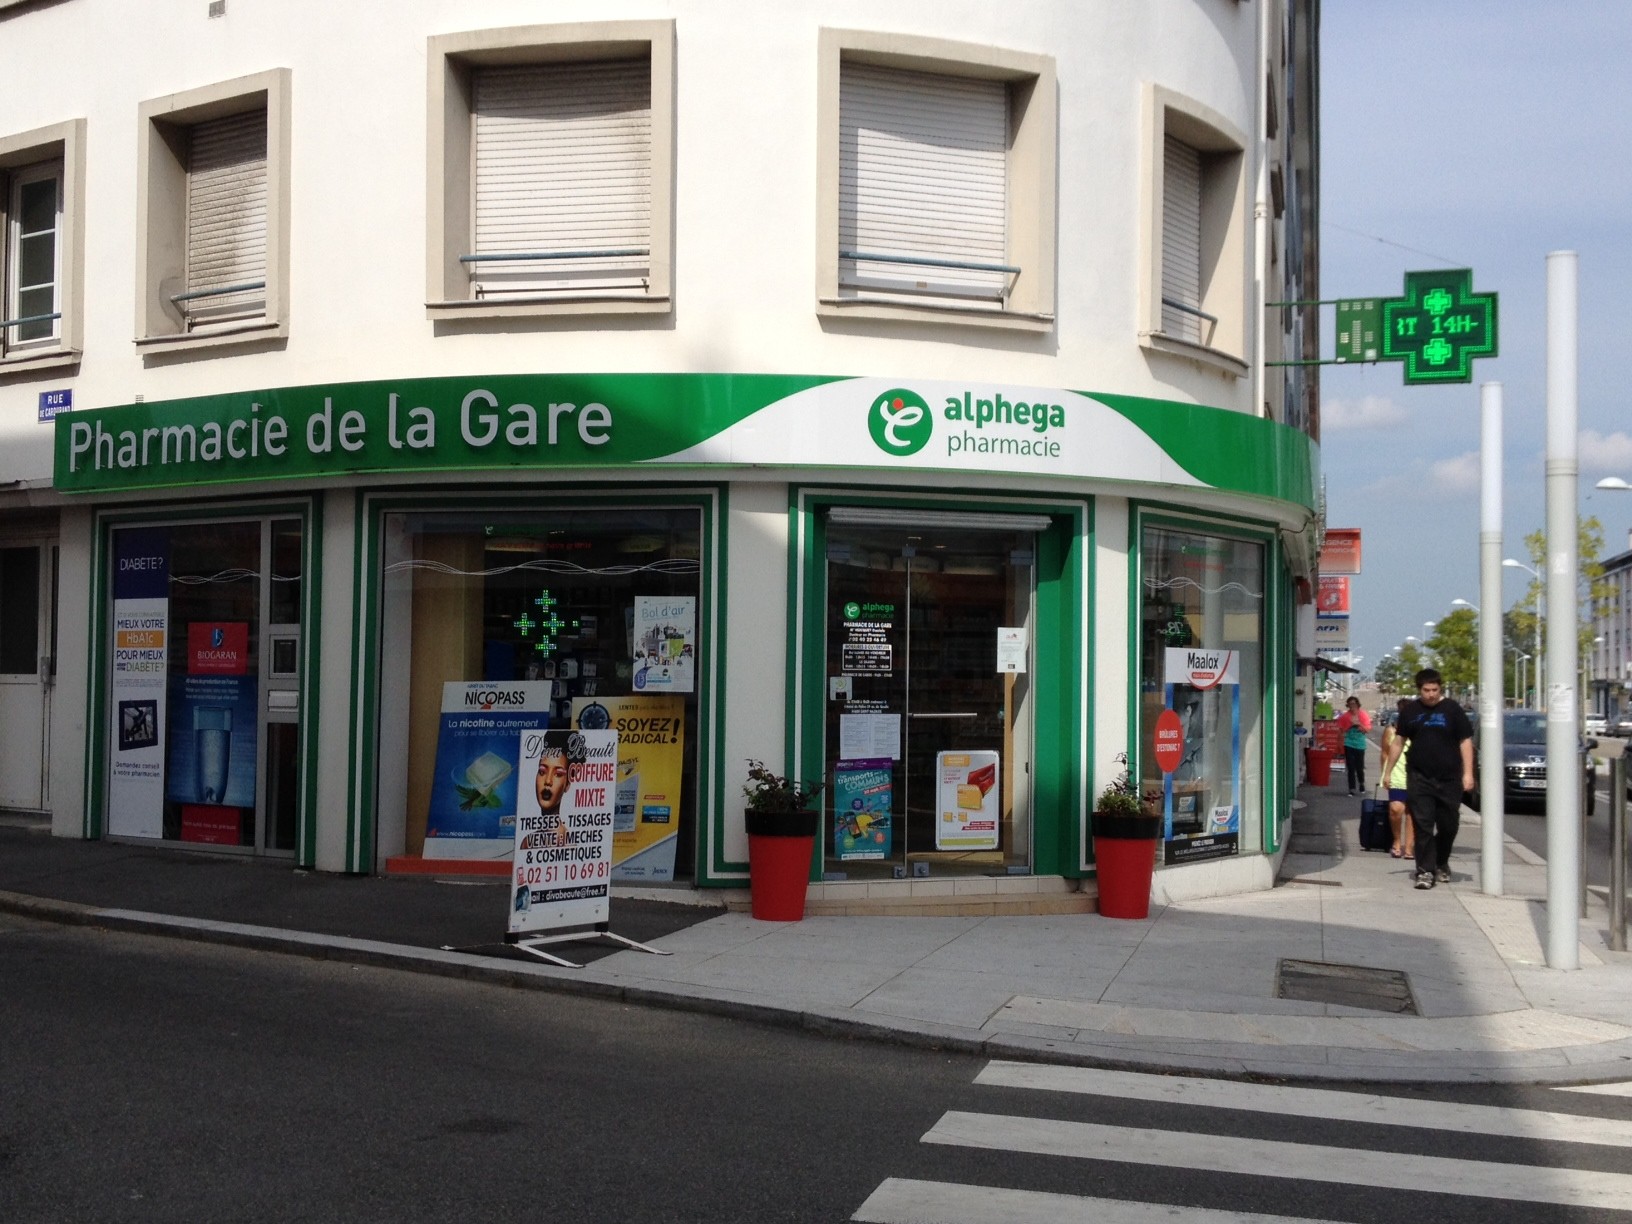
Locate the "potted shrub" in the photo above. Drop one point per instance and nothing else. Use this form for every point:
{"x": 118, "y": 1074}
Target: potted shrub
{"x": 1125, "y": 837}
{"x": 782, "y": 819}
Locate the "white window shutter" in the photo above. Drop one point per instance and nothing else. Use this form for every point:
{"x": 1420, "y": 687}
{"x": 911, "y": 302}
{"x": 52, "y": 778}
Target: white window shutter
{"x": 1181, "y": 240}
{"x": 923, "y": 173}
{"x": 226, "y": 217}
{"x": 563, "y": 168}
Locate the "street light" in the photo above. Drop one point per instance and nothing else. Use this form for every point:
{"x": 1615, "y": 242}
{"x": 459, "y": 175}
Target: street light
{"x": 1462, "y": 603}
{"x": 1612, "y": 482}
{"x": 1541, "y": 611}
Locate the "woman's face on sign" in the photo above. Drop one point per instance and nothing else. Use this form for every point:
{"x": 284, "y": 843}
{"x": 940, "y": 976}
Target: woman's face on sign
{"x": 551, "y": 781}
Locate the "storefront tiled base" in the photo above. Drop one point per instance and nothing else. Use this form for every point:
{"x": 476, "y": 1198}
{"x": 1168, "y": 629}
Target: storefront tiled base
{"x": 975, "y": 896}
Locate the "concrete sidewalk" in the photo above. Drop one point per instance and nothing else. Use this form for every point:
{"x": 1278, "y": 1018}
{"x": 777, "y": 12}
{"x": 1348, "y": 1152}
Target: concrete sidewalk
{"x": 1196, "y": 986}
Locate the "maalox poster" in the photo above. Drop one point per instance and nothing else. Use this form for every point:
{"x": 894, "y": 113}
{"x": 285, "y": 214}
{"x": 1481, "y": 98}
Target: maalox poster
{"x": 478, "y": 766}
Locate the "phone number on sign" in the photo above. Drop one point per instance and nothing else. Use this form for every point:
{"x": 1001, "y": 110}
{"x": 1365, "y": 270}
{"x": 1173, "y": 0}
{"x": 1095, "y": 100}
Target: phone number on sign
{"x": 550, "y": 873}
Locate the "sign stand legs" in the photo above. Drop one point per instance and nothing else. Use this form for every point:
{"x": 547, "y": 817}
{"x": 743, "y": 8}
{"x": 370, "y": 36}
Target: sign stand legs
{"x": 533, "y": 945}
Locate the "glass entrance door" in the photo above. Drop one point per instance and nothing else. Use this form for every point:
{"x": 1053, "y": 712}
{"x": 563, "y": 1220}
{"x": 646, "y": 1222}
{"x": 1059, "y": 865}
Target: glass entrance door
{"x": 204, "y": 692}
{"x": 928, "y": 730}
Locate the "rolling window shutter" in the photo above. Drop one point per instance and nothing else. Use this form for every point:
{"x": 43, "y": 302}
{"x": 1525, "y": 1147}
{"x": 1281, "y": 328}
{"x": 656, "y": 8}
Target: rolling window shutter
{"x": 923, "y": 172}
{"x": 1181, "y": 240}
{"x": 226, "y": 216}
{"x": 563, "y": 167}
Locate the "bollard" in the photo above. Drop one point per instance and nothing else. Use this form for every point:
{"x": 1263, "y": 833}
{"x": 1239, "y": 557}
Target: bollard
{"x": 1617, "y": 854}
{"x": 1586, "y": 834}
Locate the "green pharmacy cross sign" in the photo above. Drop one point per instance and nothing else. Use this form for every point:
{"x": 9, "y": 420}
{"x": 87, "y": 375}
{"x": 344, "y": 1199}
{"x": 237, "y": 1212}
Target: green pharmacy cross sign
{"x": 1439, "y": 326}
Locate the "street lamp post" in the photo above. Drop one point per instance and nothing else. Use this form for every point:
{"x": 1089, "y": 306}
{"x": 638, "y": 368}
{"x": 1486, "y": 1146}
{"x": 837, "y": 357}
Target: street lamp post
{"x": 1541, "y": 612}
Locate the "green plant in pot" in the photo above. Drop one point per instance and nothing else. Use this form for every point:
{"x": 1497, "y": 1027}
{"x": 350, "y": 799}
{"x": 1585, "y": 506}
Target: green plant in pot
{"x": 780, "y": 806}
{"x": 1120, "y": 812}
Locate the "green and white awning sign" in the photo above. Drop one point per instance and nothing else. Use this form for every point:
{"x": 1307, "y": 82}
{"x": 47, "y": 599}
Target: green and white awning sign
{"x": 597, "y": 421}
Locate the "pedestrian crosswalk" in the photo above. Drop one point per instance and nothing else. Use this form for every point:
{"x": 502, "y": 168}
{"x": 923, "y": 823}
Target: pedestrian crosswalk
{"x": 1214, "y": 1141}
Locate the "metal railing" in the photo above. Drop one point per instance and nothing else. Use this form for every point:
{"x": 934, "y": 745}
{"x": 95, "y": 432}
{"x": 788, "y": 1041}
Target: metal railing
{"x": 39, "y": 318}
{"x": 925, "y": 261}
{"x": 514, "y": 256}
{"x": 221, "y": 292}
{"x": 1186, "y": 308}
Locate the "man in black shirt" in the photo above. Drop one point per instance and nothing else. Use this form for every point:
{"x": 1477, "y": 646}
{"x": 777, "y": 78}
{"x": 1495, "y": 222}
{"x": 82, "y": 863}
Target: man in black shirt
{"x": 1438, "y": 771}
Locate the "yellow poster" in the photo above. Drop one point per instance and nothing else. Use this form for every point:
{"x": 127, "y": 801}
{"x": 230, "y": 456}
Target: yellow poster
{"x": 651, "y": 758}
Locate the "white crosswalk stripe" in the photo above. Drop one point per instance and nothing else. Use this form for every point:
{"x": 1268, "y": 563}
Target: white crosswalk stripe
{"x": 1312, "y": 1103}
{"x": 1623, "y": 1088}
{"x": 1306, "y": 1161}
{"x": 900, "y": 1200}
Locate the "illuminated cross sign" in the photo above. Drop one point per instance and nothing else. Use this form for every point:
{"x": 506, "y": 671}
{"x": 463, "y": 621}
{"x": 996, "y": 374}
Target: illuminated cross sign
{"x": 1439, "y": 326}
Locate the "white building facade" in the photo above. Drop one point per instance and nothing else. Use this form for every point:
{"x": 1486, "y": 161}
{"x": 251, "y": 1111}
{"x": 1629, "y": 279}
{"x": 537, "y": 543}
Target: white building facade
{"x": 909, "y": 398}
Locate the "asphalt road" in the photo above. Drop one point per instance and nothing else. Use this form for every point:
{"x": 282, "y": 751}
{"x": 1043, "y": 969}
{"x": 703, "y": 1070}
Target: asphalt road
{"x": 1528, "y": 826}
{"x": 148, "y": 1079}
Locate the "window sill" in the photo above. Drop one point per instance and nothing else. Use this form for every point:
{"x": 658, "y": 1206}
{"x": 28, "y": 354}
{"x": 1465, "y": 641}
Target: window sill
{"x": 225, "y": 337}
{"x": 477, "y": 311}
{"x": 1211, "y": 358}
{"x": 1007, "y": 320}
{"x": 47, "y": 359}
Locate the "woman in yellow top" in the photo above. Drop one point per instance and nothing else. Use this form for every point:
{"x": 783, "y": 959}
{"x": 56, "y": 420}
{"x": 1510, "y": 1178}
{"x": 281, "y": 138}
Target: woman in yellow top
{"x": 1399, "y": 810}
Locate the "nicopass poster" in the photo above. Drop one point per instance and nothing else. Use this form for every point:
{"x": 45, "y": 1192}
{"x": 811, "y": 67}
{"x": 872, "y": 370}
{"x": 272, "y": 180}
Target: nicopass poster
{"x": 478, "y": 771}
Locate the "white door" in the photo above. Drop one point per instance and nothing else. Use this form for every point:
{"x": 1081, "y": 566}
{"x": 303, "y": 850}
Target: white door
{"x": 27, "y": 581}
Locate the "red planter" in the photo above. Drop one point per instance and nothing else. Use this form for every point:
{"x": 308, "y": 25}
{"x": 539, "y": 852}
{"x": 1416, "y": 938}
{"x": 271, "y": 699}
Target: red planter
{"x": 1125, "y": 859}
{"x": 780, "y": 848}
{"x": 1320, "y": 767}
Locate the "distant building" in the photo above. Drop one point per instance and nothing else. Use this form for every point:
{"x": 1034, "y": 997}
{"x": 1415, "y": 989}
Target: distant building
{"x": 916, "y": 402}
{"x": 1609, "y": 662}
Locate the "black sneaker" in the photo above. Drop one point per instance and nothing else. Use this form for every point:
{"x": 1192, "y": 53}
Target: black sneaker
{"x": 1425, "y": 879}
{"x": 1442, "y": 875}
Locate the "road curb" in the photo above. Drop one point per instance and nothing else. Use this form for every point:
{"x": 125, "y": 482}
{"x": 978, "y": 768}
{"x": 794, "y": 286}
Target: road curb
{"x": 848, "y": 1026}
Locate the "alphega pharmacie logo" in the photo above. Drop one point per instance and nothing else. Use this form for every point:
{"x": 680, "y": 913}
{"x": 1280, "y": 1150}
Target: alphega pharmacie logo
{"x": 900, "y": 422}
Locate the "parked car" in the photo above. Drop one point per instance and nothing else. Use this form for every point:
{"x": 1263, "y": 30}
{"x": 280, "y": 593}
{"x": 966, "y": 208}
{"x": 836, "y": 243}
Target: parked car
{"x": 1623, "y": 726}
{"x": 1596, "y": 724}
{"x": 1524, "y": 748}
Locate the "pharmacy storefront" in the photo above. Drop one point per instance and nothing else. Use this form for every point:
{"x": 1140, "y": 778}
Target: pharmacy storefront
{"x": 325, "y": 616}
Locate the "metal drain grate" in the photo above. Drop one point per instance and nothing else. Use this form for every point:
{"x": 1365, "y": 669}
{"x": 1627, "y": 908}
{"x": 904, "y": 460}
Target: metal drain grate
{"x": 1385, "y": 990}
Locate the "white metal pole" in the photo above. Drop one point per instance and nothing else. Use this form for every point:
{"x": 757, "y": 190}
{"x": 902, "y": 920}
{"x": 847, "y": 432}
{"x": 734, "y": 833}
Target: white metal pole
{"x": 1492, "y": 658}
{"x": 1563, "y": 765}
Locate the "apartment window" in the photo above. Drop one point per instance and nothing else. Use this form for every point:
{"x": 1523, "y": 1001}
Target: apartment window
{"x": 213, "y": 214}
{"x": 551, "y": 157}
{"x": 41, "y": 206}
{"x": 33, "y": 264}
{"x": 1196, "y": 252}
{"x": 938, "y": 192}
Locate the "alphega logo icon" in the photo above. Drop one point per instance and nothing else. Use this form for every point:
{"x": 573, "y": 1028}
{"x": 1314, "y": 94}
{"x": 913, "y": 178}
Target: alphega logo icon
{"x": 900, "y": 422}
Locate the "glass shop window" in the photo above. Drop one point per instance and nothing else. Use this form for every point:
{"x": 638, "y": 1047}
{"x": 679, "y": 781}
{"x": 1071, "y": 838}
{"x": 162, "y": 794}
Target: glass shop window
{"x": 1201, "y": 690}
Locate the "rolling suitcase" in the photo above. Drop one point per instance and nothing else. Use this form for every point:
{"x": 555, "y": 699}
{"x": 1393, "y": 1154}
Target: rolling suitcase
{"x": 1375, "y": 833}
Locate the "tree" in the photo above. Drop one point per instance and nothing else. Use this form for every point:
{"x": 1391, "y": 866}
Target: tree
{"x": 1593, "y": 591}
{"x": 1398, "y": 673}
{"x": 1389, "y": 677}
{"x": 1455, "y": 642}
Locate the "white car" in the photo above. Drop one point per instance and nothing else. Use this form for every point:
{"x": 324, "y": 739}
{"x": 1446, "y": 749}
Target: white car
{"x": 1596, "y": 724}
